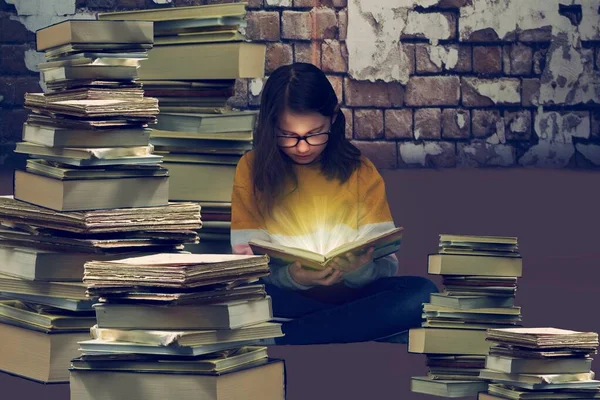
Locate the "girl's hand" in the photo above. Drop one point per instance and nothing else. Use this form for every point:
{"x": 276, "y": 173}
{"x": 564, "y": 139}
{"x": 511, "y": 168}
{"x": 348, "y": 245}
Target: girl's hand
{"x": 350, "y": 262}
{"x": 242, "y": 249}
{"x": 326, "y": 277}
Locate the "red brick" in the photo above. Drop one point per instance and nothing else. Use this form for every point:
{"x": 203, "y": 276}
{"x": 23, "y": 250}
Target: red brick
{"x": 278, "y": 54}
{"x": 518, "y": 59}
{"x": 596, "y": 124}
{"x": 13, "y": 31}
{"x": 368, "y": 124}
{"x": 303, "y": 3}
{"x": 338, "y": 86}
{"x": 382, "y": 154}
{"x": 428, "y": 123}
{"x": 453, "y": 3}
{"x": 373, "y": 94}
{"x": 471, "y": 96}
{"x": 296, "y": 25}
{"x": 487, "y": 59}
{"x": 263, "y": 25}
{"x": 456, "y": 123}
{"x": 308, "y": 52}
{"x": 334, "y": 56}
{"x": 484, "y": 123}
{"x": 278, "y": 3}
{"x": 349, "y": 122}
{"x": 480, "y": 153}
{"x": 325, "y": 23}
{"x": 427, "y": 154}
{"x": 12, "y": 58}
{"x": 433, "y": 91}
{"x": 530, "y": 92}
{"x": 409, "y": 51}
{"x": 399, "y": 124}
{"x": 343, "y": 24}
{"x": 426, "y": 65}
{"x": 465, "y": 57}
{"x": 536, "y": 35}
{"x": 488, "y": 35}
{"x": 539, "y": 61}
{"x": 13, "y": 89}
{"x": 517, "y": 125}
{"x": 240, "y": 98}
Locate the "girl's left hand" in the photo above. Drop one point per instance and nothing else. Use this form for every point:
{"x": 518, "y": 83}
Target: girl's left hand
{"x": 350, "y": 262}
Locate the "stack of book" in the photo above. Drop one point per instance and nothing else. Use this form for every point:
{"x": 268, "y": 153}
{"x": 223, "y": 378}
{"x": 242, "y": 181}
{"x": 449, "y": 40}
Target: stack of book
{"x": 480, "y": 282}
{"x": 182, "y": 326}
{"x": 199, "y": 54}
{"x": 540, "y": 363}
{"x": 42, "y": 257}
{"x": 87, "y": 137}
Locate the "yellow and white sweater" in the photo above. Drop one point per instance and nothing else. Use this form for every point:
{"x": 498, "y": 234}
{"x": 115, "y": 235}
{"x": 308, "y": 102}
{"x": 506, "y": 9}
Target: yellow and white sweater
{"x": 318, "y": 215}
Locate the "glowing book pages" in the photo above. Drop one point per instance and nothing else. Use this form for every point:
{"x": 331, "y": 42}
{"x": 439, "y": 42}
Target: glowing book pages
{"x": 385, "y": 243}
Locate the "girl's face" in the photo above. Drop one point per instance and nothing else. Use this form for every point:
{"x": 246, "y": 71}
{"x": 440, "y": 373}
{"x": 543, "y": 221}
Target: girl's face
{"x": 303, "y": 137}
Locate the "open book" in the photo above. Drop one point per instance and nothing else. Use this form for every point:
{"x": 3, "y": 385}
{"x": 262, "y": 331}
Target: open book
{"x": 384, "y": 243}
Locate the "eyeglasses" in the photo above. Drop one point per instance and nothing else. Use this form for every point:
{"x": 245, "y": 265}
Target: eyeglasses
{"x": 316, "y": 139}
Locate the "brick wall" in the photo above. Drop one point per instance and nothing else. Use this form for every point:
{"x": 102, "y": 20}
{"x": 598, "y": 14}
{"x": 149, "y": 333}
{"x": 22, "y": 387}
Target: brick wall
{"x": 429, "y": 83}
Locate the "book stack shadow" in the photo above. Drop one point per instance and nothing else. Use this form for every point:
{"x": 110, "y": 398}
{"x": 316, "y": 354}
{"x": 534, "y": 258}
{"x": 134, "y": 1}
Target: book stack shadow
{"x": 479, "y": 286}
{"x": 198, "y": 55}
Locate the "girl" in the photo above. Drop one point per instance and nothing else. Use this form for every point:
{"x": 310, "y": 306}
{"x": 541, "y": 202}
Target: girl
{"x": 305, "y": 185}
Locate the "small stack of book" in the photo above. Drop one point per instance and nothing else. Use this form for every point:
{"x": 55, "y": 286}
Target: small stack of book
{"x": 199, "y": 54}
{"x": 480, "y": 282}
{"x": 540, "y": 363}
{"x": 42, "y": 257}
{"x": 183, "y": 326}
{"x": 87, "y": 136}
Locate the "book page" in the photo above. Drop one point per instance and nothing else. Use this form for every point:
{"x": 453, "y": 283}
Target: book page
{"x": 360, "y": 246}
{"x": 538, "y": 331}
{"x": 182, "y": 259}
{"x": 278, "y": 252}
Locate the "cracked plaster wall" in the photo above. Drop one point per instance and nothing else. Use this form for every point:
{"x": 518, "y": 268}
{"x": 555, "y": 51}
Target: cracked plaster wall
{"x": 424, "y": 83}
{"x": 379, "y": 32}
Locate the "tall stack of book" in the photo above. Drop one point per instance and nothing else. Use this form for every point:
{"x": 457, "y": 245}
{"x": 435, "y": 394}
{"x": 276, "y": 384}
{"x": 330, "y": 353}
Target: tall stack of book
{"x": 87, "y": 136}
{"x": 181, "y": 326}
{"x": 540, "y": 363}
{"x": 199, "y": 53}
{"x": 480, "y": 282}
{"x": 42, "y": 257}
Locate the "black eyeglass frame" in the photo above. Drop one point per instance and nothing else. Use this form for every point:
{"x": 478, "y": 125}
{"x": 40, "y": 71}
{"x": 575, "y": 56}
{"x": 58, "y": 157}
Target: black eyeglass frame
{"x": 306, "y": 138}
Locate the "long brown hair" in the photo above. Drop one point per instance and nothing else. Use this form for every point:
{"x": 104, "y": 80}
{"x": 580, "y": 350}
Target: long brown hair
{"x": 301, "y": 88}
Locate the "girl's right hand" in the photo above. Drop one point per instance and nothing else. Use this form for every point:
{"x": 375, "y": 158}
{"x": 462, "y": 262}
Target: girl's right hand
{"x": 326, "y": 277}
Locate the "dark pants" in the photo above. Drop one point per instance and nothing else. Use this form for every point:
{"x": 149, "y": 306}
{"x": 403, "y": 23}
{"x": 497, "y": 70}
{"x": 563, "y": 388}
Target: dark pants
{"x": 338, "y": 314}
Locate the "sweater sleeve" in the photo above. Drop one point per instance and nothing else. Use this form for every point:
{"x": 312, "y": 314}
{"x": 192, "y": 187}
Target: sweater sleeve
{"x": 374, "y": 218}
{"x": 247, "y": 223}
{"x": 246, "y": 219}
